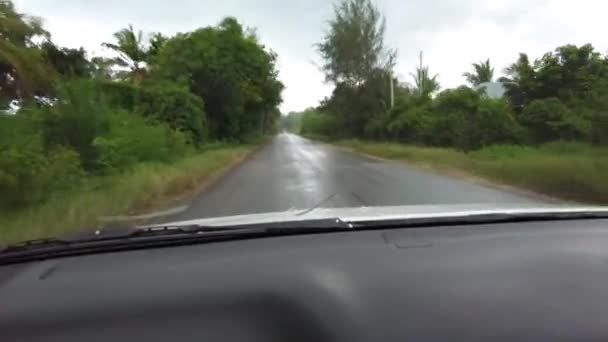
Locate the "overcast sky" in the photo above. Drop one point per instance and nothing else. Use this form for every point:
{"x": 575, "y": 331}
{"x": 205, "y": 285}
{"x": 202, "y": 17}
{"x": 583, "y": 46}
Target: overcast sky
{"x": 452, "y": 33}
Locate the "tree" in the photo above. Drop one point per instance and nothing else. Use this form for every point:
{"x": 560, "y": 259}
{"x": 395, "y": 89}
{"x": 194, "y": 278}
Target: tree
{"x": 482, "y": 73}
{"x": 23, "y": 72}
{"x": 425, "y": 85}
{"x": 577, "y": 76}
{"x": 234, "y": 74}
{"x": 353, "y": 48}
{"x": 356, "y": 61}
{"x": 131, "y": 51}
{"x": 571, "y": 73}
{"x": 67, "y": 62}
{"x": 549, "y": 119}
{"x": 520, "y": 83}
{"x": 157, "y": 41}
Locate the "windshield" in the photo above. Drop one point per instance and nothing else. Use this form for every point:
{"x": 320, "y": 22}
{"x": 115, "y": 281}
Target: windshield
{"x": 136, "y": 112}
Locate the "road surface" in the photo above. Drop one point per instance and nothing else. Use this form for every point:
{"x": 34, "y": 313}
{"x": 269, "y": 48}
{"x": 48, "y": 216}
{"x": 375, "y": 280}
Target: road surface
{"x": 292, "y": 172}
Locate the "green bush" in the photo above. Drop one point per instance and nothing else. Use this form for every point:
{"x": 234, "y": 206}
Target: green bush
{"x": 132, "y": 139}
{"x": 376, "y": 127}
{"x": 414, "y": 124}
{"x": 28, "y": 170}
{"x": 119, "y": 94}
{"x": 466, "y": 119}
{"x": 106, "y": 138}
{"x": 320, "y": 124}
{"x": 549, "y": 120}
{"x": 455, "y": 111}
{"x": 49, "y": 149}
{"x": 177, "y": 107}
{"x": 491, "y": 123}
{"x": 76, "y": 120}
{"x": 29, "y": 173}
{"x": 166, "y": 102}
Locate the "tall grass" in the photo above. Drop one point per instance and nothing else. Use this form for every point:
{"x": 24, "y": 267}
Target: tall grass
{"x": 572, "y": 171}
{"x": 139, "y": 187}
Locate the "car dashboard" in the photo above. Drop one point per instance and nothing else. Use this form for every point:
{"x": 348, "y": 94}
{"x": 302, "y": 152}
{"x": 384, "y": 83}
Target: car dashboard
{"x": 511, "y": 281}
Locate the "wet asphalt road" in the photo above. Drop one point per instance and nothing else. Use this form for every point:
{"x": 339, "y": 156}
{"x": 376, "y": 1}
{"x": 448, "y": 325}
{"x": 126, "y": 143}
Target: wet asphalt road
{"x": 292, "y": 172}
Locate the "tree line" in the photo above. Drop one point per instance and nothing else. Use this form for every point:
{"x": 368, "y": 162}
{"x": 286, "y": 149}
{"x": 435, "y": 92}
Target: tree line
{"x": 158, "y": 98}
{"x": 563, "y": 95}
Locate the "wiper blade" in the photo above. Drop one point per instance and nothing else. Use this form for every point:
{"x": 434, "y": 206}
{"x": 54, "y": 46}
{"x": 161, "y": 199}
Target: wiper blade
{"x": 158, "y": 236}
{"x": 275, "y": 228}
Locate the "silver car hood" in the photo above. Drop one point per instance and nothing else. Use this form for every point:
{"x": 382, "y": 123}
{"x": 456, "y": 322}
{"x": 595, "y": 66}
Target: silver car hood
{"x": 361, "y": 214}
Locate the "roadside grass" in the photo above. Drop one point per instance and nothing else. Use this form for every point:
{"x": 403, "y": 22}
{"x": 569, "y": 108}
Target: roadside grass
{"x": 140, "y": 187}
{"x": 566, "y": 170}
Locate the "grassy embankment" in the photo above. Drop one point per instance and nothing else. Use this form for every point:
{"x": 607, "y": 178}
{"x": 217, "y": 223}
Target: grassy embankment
{"x": 571, "y": 171}
{"x": 142, "y": 186}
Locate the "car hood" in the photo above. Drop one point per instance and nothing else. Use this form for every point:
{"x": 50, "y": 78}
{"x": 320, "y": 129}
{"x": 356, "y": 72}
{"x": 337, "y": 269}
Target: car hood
{"x": 360, "y": 214}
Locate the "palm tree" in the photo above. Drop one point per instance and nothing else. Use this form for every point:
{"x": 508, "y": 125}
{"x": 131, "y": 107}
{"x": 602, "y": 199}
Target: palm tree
{"x": 425, "y": 85}
{"x": 131, "y": 51}
{"x": 482, "y": 73}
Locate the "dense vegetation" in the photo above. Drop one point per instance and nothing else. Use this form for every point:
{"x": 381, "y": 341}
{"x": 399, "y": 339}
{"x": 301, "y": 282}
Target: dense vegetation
{"x": 158, "y": 99}
{"x": 562, "y": 95}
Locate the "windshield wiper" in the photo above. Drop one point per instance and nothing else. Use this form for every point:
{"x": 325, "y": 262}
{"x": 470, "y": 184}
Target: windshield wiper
{"x": 112, "y": 240}
{"x": 170, "y": 235}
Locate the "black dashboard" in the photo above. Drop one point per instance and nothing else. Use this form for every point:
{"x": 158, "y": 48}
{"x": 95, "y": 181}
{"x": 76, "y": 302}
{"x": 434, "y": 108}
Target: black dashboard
{"x": 512, "y": 281}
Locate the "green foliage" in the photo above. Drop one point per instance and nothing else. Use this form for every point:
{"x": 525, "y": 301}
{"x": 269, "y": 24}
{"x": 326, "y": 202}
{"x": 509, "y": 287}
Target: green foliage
{"x": 76, "y": 120}
{"x": 165, "y": 102}
{"x": 562, "y": 96}
{"x": 69, "y": 63}
{"x": 520, "y": 83}
{"x": 133, "y": 189}
{"x": 115, "y": 136}
{"x": 100, "y": 137}
{"x": 461, "y": 117}
{"x": 23, "y": 72}
{"x": 177, "y": 107}
{"x": 157, "y": 42}
{"x": 231, "y": 71}
{"x": 46, "y": 150}
{"x": 497, "y": 124}
{"x": 354, "y": 106}
{"x": 320, "y": 124}
{"x": 119, "y": 94}
{"x": 572, "y": 74}
{"x": 467, "y": 120}
{"x": 29, "y": 171}
{"x": 132, "y": 139}
{"x": 358, "y": 63}
{"x": 550, "y": 119}
{"x": 417, "y": 125}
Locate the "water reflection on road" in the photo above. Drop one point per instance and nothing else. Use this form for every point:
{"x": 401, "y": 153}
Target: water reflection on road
{"x": 292, "y": 172}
